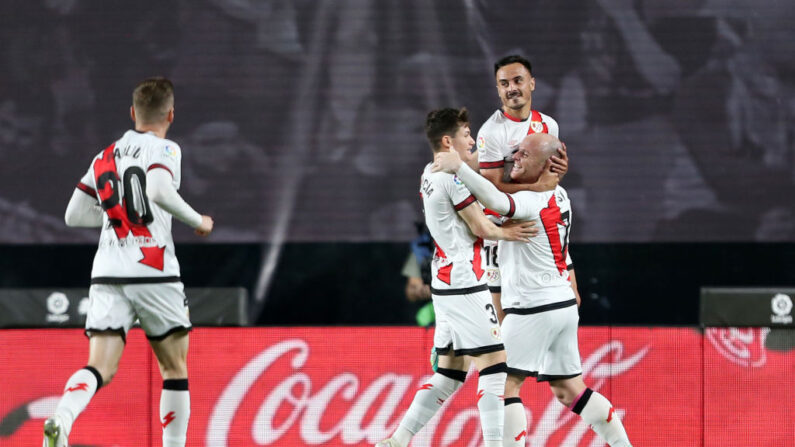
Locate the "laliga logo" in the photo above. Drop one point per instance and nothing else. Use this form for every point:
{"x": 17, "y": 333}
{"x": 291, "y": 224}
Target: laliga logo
{"x": 782, "y": 306}
{"x": 344, "y": 399}
{"x": 57, "y": 305}
{"x": 743, "y": 346}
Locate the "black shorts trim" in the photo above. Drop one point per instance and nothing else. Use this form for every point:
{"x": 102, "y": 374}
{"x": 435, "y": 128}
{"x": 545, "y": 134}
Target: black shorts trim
{"x": 134, "y": 280}
{"x": 523, "y": 373}
{"x": 550, "y": 377}
{"x": 539, "y": 309}
{"x": 470, "y": 351}
{"x": 513, "y": 400}
{"x": 169, "y": 332}
{"x": 443, "y": 351}
{"x": 494, "y": 369}
{"x": 464, "y": 291}
{"x": 111, "y": 330}
{"x": 480, "y": 350}
{"x": 495, "y": 289}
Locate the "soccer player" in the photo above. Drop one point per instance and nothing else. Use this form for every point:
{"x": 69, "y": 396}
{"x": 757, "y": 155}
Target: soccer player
{"x": 467, "y": 329}
{"x": 499, "y": 137}
{"x": 540, "y": 303}
{"x": 501, "y": 134}
{"x": 130, "y": 191}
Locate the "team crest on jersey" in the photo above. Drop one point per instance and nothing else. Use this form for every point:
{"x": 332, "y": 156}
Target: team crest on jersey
{"x": 537, "y": 126}
{"x": 495, "y": 332}
{"x": 170, "y": 151}
{"x": 457, "y": 181}
{"x": 481, "y": 142}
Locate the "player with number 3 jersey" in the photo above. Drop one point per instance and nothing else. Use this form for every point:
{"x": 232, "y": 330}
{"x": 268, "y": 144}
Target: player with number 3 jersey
{"x": 130, "y": 191}
{"x": 467, "y": 329}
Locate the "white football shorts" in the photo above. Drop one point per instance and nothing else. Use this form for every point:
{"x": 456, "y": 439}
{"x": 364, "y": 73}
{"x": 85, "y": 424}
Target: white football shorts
{"x": 466, "y": 324}
{"x": 543, "y": 344}
{"x": 161, "y": 309}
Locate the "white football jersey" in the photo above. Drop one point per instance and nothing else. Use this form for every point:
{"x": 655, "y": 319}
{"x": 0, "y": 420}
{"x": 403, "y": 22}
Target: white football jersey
{"x": 535, "y": 273}
{"x": 458, "y": 257}
{"x": 501, "y": 134}
{"x": 135, "y": 244}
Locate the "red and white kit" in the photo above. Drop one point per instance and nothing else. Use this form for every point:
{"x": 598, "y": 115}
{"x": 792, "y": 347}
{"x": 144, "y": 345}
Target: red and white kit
{"x": 135, "y": 272}
{"x": 465, "y": 318}
{"x": 501, "y": 134}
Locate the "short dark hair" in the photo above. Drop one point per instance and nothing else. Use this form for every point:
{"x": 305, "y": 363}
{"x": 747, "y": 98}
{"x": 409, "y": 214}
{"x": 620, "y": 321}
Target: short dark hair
{"x": 443, "y": 122}
{"x": 513, "y": 59}
{"x": 152, "y": 99}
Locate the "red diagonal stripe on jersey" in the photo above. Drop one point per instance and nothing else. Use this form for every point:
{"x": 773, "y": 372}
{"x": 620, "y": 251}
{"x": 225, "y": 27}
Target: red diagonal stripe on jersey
{"x": 480, "y": 394}
{"x": 426, "y": 386}
{"x": 477, "y": 259}
{"x": 79, "y": 387}
{"x": 551, "y": 218}
{"x": 444, "y": 272}
{"x": 521, "y": 435}
{"x": 610, "y": 414}
{"x": 167, "y": 419}
{"x": 106, "y": 177}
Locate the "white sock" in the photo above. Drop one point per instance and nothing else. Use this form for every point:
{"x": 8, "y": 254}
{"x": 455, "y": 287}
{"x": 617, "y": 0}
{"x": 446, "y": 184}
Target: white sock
{"x": 599, "y": 413}
{"x": 427, "y": 401}
{"x": 515, "y": 432}
{"x": 491, "y": 387}
{"x": 174, "y": 412}
{"x": 79, "y": 390}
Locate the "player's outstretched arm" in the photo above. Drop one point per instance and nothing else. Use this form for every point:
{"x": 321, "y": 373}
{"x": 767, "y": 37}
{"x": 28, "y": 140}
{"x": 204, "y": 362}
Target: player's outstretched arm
{"x": 482, "y": 227}
{"x": 484, "y": 190}
{"x": 83, "y": 211}
{"x": 161, "y": 190}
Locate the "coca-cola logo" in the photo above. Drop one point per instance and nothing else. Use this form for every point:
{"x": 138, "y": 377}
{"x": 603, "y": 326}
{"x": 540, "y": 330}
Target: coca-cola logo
{"x": 346, "y": 411}
{"x": 743, "y": 346}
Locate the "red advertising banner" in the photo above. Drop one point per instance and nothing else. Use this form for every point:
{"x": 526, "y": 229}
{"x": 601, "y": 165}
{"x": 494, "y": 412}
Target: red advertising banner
{"x": 350, "y": 387}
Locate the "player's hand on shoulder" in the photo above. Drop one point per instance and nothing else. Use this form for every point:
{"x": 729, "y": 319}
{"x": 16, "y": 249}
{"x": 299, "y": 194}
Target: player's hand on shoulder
{"x": 520, "y": 230}
{"x": 560, "y": 164}
{"x": 206, "y": 227}
{"x": 446, "y": 162}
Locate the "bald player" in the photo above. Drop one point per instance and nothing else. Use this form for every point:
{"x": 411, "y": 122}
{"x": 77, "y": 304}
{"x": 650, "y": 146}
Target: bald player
{"x": 539, "y": 297}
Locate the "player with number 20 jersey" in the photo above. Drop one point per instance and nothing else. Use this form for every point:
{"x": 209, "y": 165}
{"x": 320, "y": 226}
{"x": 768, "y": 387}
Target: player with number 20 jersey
{"x": 135, "y": 242}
